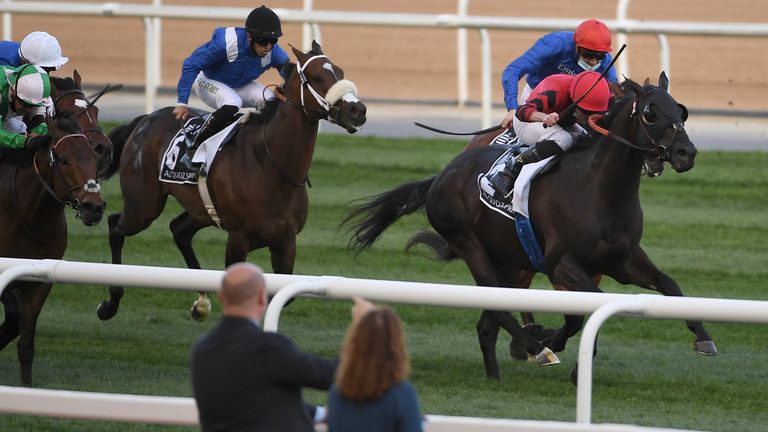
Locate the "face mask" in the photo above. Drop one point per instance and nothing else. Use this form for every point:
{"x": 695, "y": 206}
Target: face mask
{"x": 587, "y": 67}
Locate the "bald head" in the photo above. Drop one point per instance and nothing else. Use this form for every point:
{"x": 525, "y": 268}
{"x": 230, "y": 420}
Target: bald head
{"x": 243, "y": 286}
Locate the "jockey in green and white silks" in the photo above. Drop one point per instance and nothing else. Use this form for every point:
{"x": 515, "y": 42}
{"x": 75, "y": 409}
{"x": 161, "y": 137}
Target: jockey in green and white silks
{"x": 24, "y": 91}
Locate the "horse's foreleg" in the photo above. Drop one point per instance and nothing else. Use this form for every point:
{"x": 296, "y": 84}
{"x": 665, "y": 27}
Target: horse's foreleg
{"x": 569, "y": 274}
{"x": 184, "y": 227}
{"x": 641, "y": 271}
{"x": 283, "y": 255}
{"x": 9, "y": 330}
{"x": 108, "y": 308}
{"x": 32, "y": 299}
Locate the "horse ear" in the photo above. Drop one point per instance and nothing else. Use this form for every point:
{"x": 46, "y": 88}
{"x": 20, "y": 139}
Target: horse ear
{"x": 663, "y": 81}
{"x": 316, "y": 48}
{"x": 77, "y": 79}
{"x": 647, "y": 82}
{"x": 296, "y": 52}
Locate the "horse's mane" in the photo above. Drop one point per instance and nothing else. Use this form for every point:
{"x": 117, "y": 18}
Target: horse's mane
{"x": 68, "y": 122}
{"x": 66, "y": 83}
{"x": 270, "y": 109}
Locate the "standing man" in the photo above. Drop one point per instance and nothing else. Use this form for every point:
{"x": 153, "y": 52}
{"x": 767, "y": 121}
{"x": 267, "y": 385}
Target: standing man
{"x": 224, "y": 70}
{"x": 245, "y": 379}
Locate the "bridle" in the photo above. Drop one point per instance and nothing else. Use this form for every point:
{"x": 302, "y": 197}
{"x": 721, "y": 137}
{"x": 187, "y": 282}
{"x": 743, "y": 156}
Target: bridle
{"x": 90, "y": 186}
{"x": 83, "y": 103}
{"x": 340, "y": 90}
{"x": 658, "y": 150}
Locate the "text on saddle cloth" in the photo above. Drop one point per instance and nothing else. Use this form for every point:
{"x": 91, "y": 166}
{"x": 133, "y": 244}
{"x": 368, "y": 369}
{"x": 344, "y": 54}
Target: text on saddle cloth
{"x": 178, "y": 166}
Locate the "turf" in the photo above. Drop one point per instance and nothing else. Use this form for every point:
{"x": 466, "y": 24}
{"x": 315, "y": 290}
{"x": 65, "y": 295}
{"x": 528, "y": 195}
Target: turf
{"x": 706, "y": 228}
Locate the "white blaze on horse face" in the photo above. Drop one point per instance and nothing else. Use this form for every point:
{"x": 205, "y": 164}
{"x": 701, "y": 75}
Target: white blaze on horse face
{"x": 328, "y": 66}
{"x": 80, "y": 103}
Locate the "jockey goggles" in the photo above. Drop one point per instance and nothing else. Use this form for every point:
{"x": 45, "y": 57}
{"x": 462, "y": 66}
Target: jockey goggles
{"x": 265, "y": 41}
{"x": 590, "y": 54}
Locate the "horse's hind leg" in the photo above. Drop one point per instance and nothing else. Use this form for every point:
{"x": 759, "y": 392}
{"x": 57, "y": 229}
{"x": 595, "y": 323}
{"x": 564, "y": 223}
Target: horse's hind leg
{"x": 184, "y": 227}
{"x": 32, "y": 299}
{"x": 9, "y": 330}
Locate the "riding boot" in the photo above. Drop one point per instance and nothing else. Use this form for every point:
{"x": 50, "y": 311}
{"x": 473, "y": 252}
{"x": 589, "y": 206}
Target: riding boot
{"x": 216, "y": 122}
{"x": 504, "y": 180}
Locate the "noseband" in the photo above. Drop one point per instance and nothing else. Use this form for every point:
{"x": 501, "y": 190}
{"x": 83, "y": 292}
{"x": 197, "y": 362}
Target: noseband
{"x": 90, "y": 186}
{"x": 341, "y": 89}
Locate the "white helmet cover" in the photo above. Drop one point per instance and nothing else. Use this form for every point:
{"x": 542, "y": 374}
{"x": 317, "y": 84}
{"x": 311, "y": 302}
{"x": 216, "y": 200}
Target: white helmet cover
{"x": 42, "y": 49}
{"x": 31, "y": 84}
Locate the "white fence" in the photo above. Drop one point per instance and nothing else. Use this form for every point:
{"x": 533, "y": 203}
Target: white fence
{"x": 151, "y": 15}
{"x": 181, "y": 411}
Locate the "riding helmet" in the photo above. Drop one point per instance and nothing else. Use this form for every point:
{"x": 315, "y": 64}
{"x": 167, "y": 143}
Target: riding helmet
{"x": 263, "y": 22}
{"x": 42, "y": 49}
{"x": 593, "y": 35}
{"x": 597, "y": 98}
{"x": 31, "y": 84}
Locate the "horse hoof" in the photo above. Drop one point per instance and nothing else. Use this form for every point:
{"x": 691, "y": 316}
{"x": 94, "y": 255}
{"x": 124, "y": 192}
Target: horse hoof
{"x": 200, "y": 310}
{"x": 705, "y": 348}
{"x": 105, "y": 311}
{"x": 546, "y": 357}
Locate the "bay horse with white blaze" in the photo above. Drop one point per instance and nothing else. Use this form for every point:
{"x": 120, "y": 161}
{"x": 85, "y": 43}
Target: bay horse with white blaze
{"x": 34, "y": 188}
{"x": 257, "y": 182}
{"x": 585, "y": 211}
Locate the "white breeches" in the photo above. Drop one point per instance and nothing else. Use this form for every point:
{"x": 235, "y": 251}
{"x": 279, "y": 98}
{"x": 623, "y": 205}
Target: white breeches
{"x": 532, "y": 132}
{"x": 216, "y": 94}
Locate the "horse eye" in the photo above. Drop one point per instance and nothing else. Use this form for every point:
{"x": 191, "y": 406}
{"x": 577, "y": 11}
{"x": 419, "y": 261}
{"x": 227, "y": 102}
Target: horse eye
{"x": 649, "y": 117}
{"x": 62, "y": 160}
{"x": 317, "y": 79}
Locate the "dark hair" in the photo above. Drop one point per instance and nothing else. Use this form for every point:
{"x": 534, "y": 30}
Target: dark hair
{"x": 373, "y": 357}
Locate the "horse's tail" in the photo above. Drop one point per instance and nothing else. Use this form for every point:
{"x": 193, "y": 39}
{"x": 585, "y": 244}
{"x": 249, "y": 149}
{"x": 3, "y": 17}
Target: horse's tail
{"x": 434, "y": 241}
{"x": 119, "y": 136}
{"x": 381, "y": 211}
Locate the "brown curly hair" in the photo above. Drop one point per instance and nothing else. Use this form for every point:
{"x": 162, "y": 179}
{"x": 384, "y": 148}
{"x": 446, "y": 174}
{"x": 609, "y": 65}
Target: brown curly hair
{"x": 373, "y": 357}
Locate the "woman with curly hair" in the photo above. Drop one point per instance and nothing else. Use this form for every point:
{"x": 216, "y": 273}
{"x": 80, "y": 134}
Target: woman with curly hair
{"x": 371, "y": 391}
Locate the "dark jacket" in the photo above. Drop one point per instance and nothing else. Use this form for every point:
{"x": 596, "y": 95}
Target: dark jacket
{"x": 245, "y": 379}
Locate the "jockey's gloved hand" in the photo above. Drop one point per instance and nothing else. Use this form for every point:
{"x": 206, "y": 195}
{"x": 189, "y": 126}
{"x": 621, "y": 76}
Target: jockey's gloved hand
{"x": 35, "y": 121}
{"x": 34, "y": 142}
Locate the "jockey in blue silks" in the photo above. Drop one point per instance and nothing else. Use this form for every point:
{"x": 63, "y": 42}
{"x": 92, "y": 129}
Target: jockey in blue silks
{"x": 224, "y": 70}
{"x": 586, "y": 49}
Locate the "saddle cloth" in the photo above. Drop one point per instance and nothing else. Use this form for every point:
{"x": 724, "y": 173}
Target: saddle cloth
{"x": 518, "y": 201}
{"x": 177, "y": 167}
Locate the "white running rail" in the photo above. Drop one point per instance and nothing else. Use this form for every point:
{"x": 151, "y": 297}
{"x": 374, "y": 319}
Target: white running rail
{"x": 600, "y": 305}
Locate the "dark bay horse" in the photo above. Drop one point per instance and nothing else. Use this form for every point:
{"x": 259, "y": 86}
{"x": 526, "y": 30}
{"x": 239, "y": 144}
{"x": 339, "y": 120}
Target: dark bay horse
{"x": 257, "y": 182}
{"x": 34, "y": 188}
{"x": 68, "y": 96}
{"x": 585, "y": 212}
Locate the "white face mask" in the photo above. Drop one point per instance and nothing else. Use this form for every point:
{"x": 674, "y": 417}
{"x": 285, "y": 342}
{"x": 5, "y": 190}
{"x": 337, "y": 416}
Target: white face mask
{"x": 587, "y": 67}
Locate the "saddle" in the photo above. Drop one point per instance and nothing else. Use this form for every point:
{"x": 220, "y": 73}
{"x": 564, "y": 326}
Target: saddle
{"x": 177, "y": 165}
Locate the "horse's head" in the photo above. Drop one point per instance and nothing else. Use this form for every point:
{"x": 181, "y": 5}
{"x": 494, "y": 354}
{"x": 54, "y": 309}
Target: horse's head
{"x": 323, "y": 92}
{"x": 68, "y": 97}
{"x": 661, "y": 121}
{"x": 70, "y": 175}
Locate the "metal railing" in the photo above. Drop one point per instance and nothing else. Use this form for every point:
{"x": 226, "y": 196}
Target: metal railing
{"x": 601, "y": 305}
